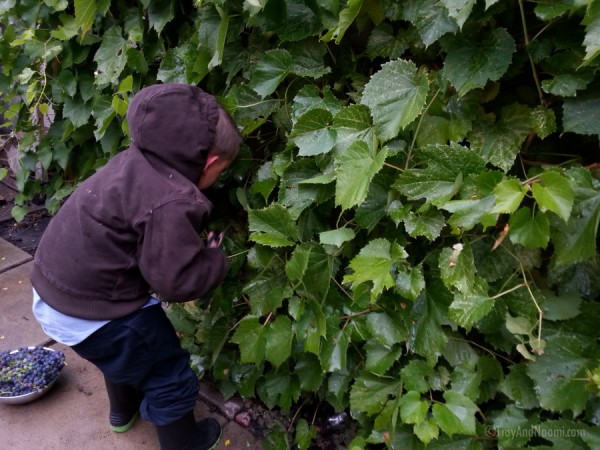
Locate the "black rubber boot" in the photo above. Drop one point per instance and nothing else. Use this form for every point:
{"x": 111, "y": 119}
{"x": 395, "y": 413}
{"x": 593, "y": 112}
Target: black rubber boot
{"x": 186, "y": 434}
{"x": 124, "y": 405}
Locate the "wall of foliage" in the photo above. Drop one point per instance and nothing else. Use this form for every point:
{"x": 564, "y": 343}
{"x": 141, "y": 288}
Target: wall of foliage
{"x": 414, "y": 211}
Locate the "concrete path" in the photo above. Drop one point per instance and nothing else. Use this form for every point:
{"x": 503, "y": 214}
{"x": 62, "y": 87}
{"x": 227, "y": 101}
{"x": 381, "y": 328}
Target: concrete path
{"x": 73, "y": 415}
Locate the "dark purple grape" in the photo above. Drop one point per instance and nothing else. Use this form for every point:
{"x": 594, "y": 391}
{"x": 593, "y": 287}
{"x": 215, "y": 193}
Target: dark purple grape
{"x": 28, "y": 369}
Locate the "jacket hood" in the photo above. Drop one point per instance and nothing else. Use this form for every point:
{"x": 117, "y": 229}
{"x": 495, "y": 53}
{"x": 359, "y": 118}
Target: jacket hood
{"x": 173, "y": 125}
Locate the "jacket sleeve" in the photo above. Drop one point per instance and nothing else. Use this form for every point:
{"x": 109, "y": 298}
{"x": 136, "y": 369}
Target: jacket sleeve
{"x": 174, "y": 259}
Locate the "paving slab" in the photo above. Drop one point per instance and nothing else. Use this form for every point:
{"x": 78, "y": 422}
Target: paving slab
{"x": 11, "y": 256}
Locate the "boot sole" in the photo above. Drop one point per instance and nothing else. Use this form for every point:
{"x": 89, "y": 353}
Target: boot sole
{"x": 127, "y": 426}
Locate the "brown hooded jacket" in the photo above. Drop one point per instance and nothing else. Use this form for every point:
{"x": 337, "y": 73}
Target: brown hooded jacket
{"x": 134, "y": 226}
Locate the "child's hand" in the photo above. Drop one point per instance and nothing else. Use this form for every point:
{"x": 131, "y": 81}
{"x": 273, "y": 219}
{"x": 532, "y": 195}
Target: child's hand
{"x": 213, "y": 240}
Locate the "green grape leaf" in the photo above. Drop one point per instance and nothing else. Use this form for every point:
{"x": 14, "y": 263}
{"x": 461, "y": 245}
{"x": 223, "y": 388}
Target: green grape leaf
{"x": 512, "y": 428}
{"x": 385, "y": 41}
{"x": 471, "y": 63}
{"x": 565, "y": 85}
{"x": 440, "y": 180}
{"x": 412, "y": 408}
{"x": 309, "y": 97}
{"x": 373, "y": 264}
{"x": 457, "y": 268}
{"x": 111, "y": 57}
{"x": 278, "y": 339}
{"x": 457, "y": 415}
{"x": 468, "y": 213}
{"x": 292, "y": 20}
{"x": 310, "y": 268}
{"x": 380, "y": 358}
{"x": 509, "y": 194}
{"x": 250, "y": 335}
{"x": 353, "y": 123}
{"x": 579, "y": 112}
{"x": 212, "y": 32}
{"x": 77, "y": 111}
{"x": 396, "y": 95}
{"x": 591, "y": 41}
{"x": 554, "y": 193}
{"x": 307, "y": 59}
{"x": 560, "y": 307}
{"x": 271, "y": 71}
{"x": 415, "y": 375}
{"x": 305, "y": 433}
{"x": 370, "y": 393}
{"x": 159, "y": 13}
{"x": 499, "y": 143}
{"x": 373, "y": 209}
{"x": 173, "y": 66}
{"x": 430, "y": 18}
{"x": 410, "y": 282}
{"x": 19, "y": 212}
{"x": 336, "y": 237}
{"x": 519, "y": 387}
{"x": 309, "y": 372}
{"x": 427, "y": 430}
{"x": 70, "y": 26}
{"x": 459, "y": 10}
{"x": 334, "y": 352}
{"x": 466, "y": 381}
{"x": 281, "y": 389}
{"x": 354, "y": 171}
{"x": 103, "y": 113}
{"x": 552, "y": 10}
{"x": 555, "y": 373}
{"x": 387, "y": 328}
{"x": 543, "y": 121}
{"x": 529, "y": 230}
{"x": 428, "y": 224}
{"x": 347, "y": 16}
{"x": 576, "y": 240}
{"x": 427, "y": 338}
{"x": 469, "y": 308}
{"x": 518, "y": 325}
{"x": 313, "y": 134}
{"x": 272, "y": 226}
{"x": 267, "y": 292}
{"x": 85, "y": 11}
{"x": 310, "y": 327}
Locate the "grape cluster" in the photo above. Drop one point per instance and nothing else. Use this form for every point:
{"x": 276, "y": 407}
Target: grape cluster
{"x": 28, "y": 370}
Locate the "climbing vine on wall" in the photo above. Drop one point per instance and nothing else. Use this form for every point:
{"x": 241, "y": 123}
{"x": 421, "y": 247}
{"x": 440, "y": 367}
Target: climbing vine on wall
{"x": 414, "y": 210}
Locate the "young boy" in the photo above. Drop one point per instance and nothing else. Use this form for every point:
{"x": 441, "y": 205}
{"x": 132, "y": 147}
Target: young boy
{"x": 132, "y": 229}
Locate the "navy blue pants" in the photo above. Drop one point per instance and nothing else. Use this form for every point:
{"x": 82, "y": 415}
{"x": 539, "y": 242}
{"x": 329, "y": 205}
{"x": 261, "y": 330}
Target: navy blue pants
{"x": 142, "y": 350}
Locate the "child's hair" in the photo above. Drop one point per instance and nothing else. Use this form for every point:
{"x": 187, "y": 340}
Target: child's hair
{"x": 227, "y": 139}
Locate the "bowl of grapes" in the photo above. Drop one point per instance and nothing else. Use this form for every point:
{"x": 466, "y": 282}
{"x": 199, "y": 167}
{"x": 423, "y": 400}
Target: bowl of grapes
{"x": 27, "y": 373}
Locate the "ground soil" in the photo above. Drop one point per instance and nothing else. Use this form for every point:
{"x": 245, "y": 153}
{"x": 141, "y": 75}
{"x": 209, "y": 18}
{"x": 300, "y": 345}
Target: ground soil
{"x": 26, "y": 234}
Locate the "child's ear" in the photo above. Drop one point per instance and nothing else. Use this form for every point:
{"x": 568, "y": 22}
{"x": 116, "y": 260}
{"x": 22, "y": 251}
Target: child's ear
{"x": 210, "y": 160}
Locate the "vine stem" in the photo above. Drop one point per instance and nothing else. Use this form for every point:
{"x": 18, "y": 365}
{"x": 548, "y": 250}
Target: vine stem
{"x": 341, "y": 288}
{"x": 351, "y": 316}
{"x": 296, "y": 415}
{"x": 537, "y": 306}
{"x": 491, "y": 352}
{"x": 237, "y": 254}
{"x": 412, "y": 144}
{"x": 533, "y": 69}
{"x": 394, "y": 167}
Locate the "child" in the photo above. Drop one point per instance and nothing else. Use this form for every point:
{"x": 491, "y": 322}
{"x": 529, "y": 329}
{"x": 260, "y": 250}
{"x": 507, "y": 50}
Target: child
{"x": 129, "y": 230}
